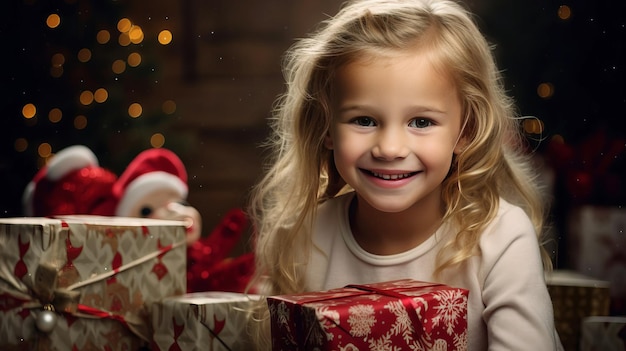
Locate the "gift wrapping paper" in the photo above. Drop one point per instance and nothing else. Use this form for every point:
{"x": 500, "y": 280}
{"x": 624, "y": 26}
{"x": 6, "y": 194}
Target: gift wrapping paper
{"x": 396, "y": 315}
{"x": 574, "y": 297}
{"x": 603, "y": 333}
{"x": 207, "y": 321}
{"x": 597, "y": 247}
{"x": 84, "y": 282}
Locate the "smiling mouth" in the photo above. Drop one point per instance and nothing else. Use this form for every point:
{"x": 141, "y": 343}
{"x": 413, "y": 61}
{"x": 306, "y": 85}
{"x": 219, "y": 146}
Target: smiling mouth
{"x": 397, "y": 176}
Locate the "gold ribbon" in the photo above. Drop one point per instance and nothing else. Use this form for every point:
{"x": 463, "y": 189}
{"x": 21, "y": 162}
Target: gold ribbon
{"x": 45, "y": 290}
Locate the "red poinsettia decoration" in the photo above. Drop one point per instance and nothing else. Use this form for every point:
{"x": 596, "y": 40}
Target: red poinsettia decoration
{"x": 592, "y": 171}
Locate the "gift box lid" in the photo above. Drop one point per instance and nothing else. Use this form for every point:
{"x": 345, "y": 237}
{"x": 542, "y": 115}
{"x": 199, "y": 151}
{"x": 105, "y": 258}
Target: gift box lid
{"x": 395, "y": 289}
{"x": 212, "y": 297}
{"x": 571, "y": 278}
{"x": 92, "y": 219}
{"x": 605, "y": 320}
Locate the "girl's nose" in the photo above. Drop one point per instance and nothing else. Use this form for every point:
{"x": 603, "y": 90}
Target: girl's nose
{"x": 390, "y": 145}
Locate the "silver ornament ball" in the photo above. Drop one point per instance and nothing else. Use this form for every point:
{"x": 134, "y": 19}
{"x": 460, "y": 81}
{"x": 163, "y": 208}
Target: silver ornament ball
{"x": 46, "y": 321}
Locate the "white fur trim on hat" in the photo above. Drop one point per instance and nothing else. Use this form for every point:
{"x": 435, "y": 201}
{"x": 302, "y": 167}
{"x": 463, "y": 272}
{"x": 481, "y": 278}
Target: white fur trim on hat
{"x": 146, "y": 184}
{"x": 61, "y": 164}
{"x": 70, "y": 159}
{"x": 27, "y": 199}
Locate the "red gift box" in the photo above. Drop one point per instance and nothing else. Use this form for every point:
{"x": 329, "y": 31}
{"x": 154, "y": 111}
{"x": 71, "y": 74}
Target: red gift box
{"x": 396, "y": 315}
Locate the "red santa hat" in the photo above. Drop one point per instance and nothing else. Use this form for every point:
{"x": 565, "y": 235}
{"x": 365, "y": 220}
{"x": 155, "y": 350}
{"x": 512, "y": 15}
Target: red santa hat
{"x": 152, "y": 170}
{"x": 70, "y": 183}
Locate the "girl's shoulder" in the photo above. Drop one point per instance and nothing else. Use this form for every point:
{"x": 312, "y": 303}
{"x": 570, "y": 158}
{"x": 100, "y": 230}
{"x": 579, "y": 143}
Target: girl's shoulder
{"x": 511, "y": 223}
{"x": 508, "y": 211}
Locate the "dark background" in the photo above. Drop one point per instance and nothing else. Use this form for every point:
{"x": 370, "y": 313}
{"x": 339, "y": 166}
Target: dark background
{"x": 222, "y": 69}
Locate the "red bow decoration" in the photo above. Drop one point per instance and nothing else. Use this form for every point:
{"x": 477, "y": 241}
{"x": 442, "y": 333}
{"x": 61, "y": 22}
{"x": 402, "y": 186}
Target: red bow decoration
{"x": 591, "y": 172}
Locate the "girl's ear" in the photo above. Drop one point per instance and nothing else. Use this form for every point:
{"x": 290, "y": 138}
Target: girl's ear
{"x": 328, "y": 141}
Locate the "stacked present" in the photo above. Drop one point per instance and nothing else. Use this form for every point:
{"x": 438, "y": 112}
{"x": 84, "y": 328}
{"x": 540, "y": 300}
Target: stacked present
{"x": 202, "y": 321}
{"x": 574, "y": 298}
{"x": 85, "y": 282}
{"x": 402, "y": 314}
{"x": 115, "y": 283}
{"x": 598, "y": 248}
{"x": 606, "y": 333}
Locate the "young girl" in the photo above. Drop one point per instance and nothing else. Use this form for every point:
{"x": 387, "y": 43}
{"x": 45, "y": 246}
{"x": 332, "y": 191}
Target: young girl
{"x": 397, "y": 155}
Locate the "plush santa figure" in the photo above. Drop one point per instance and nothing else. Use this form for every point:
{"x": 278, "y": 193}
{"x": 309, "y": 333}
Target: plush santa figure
{"x": 154, "y": 185}
{"x": 63, "y": 185}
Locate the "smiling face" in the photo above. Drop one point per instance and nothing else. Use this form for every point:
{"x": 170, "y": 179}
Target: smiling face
{"x": 395, "y": 126}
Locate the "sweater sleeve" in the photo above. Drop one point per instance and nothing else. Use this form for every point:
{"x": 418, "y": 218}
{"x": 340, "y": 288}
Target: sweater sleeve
{"x": 518, "y": 310}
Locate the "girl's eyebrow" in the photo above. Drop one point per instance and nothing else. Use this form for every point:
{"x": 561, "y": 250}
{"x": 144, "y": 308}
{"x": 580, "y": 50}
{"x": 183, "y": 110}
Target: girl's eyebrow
{"x": 350, "y": 107}
{"x": 413, "y": 109}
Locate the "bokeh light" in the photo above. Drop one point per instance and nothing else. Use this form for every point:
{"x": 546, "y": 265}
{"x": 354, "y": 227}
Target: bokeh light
{"x": 57, "y": 60}
{"x": 101, "y": 95}
{"x": 44, "y": 150}
{"x": 103, "y": 36}
{"x": 135, "y": 110}
{"x": 29, "y": 111}
{"x": 53, "y": 20}
{"x": 558, "y": 138}
{"x": 545, "y": 90}
{"x": 136, "y": 34}
{"x": 564, "y": 12}
{"x": 533, "y": 126}
{"x": 157, "y": 140}
{"x": 124, "y": 39}
{"x": 80, "y": 122}
{"x": 84, "y": 55}
{"x": 169, "y": 107}
{"x": 124, "y": 25}
{"x": 134, "y": 59}
{"x": 86, "y": 97}
{"x": 165, "y": 37}
{"x": 55, "y": 115}
{"x": 118, "y": 67}
{"x": 20, "y": 145}
{"x": 56, "y": 71}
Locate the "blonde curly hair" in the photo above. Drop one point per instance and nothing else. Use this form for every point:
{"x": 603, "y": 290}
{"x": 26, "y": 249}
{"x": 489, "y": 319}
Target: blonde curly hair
{"x": 302, "y": 174}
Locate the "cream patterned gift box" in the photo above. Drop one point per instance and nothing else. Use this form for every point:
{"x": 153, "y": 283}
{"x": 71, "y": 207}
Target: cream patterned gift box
{"x": 606, "y": 333}
{"x": 211, "y": 321}
{"x": 597, "y": 248}
{"x": 84, "y": 282}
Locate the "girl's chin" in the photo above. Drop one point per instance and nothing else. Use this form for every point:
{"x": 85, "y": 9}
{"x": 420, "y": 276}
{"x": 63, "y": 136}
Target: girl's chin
{"x": 387, "y": 204}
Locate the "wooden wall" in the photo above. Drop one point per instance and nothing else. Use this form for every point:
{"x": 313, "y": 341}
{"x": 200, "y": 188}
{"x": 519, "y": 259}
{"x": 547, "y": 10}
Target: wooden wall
{"x": 223, "y": 71}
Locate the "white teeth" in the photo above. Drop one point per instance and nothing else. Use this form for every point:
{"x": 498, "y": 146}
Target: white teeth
{"x": 391, "y": 176}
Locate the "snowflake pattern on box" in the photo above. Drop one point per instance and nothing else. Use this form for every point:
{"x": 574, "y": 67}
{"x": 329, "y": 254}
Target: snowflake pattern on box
{"x": 390, "y": 316}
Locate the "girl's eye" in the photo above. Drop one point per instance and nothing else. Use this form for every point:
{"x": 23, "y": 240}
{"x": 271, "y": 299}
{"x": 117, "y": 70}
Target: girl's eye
{"x": 364, "y": 121}
{"x": 420, "y": 123}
